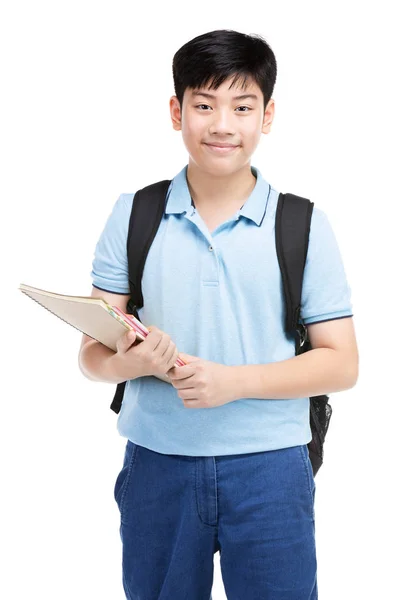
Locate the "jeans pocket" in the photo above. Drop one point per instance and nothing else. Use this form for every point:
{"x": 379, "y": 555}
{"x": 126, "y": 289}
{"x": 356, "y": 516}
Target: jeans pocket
{"x": 310, "y": 481}
{"x": 124, "y": 476}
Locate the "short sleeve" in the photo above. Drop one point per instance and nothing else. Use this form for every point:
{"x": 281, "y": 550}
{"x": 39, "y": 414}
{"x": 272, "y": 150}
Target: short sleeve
{"x": 110, "y": 262}
{"x": 326, "y": 293}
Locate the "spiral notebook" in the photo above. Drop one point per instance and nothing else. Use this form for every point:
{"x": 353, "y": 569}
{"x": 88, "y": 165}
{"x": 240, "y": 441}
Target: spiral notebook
{"x": 91, "y": 316}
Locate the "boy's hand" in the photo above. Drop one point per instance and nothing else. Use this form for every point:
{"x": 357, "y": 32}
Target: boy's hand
{"x": 154, "y": 356}
{"x": 202, "y": 383}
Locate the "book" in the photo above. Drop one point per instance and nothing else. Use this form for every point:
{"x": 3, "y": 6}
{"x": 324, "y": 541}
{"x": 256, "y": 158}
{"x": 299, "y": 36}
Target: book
{"x": 94, "y": 317}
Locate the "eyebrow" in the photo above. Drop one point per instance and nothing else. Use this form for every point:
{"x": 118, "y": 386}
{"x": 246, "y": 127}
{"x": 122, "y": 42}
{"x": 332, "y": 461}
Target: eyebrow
{"x": 241, "y": 97}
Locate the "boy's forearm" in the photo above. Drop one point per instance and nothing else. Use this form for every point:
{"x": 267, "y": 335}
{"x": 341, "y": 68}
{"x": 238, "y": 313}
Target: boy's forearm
{"x": 318, "y": 371}
{"x": 95, "y": 362}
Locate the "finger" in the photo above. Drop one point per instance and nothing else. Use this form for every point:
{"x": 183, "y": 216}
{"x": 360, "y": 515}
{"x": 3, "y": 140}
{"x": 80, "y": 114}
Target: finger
{"x": 192, "y": 403}
{"x": 184, "y": 392}
{"x": 153, "y": 338}
{"x": 169, "y": 356}
{"x": 124, "y": 343}
{"x": 163, "y": 347}
{"x": 183, "y": 372}
{"x": 172, "y": 365}
{"x": 173, "y": 358}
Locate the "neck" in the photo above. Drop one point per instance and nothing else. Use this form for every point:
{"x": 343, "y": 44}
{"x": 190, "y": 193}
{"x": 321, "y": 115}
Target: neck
{"x": 219, "y": 191}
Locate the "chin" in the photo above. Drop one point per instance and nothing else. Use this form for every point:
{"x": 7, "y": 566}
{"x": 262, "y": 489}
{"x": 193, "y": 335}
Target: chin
{"x": 221, "y": 168}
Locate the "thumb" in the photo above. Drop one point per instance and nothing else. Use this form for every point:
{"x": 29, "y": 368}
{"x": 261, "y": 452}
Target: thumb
{"x": 130, "y": 337}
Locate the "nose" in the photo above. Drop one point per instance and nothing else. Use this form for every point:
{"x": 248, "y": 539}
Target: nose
{"x": 221, "y": 124}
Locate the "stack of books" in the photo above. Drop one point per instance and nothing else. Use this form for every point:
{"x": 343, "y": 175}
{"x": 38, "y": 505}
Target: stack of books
{"x": 91, "y": 316}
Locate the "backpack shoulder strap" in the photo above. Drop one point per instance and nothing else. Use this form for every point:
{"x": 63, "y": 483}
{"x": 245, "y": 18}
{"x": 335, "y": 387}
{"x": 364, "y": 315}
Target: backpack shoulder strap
{"x": 292, "y": 229}
{"x": 147, "y": 211}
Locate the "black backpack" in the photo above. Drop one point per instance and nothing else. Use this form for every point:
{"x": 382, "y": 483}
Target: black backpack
{"x": 292, "y": 228}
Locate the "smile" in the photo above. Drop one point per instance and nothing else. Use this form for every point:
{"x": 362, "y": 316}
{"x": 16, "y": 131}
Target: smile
{"x": 221, "y": 149}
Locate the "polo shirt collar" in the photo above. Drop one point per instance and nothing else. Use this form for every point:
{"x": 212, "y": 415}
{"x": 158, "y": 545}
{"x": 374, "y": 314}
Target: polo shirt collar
{"x": 179, "y": 199}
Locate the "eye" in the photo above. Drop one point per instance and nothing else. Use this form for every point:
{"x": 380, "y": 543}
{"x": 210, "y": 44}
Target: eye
{"x": 247, "y": 107}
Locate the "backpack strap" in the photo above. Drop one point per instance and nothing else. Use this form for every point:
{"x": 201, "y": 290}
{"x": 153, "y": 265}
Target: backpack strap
{"x": 292, "y": 229}
{"x": 147, "y": 211}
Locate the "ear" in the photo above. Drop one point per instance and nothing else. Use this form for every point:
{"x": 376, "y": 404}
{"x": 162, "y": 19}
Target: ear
{"x": 176, "y": 115}
{"x": 268, "y": 116}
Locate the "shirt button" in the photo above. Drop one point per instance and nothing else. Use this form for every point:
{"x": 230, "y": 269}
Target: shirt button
{"x": 210, "y": 248}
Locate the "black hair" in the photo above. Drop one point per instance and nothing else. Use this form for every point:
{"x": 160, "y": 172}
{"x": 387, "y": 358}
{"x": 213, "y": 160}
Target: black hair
{"x": 218, "y": 55}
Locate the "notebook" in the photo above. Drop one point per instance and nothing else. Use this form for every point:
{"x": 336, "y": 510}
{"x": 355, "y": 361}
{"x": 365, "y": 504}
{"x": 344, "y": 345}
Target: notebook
{"x": 92, "y": 316}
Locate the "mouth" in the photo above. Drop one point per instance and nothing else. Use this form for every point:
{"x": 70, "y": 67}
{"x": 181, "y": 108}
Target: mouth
{"x": 216, "y": 149}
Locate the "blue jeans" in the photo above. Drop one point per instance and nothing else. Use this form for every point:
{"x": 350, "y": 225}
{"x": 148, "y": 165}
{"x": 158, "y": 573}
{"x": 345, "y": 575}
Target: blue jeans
{"x": 256, "y": 509}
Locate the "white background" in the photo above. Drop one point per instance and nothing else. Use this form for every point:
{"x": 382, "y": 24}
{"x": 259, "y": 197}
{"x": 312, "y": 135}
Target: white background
{"x": 85, "y": 116}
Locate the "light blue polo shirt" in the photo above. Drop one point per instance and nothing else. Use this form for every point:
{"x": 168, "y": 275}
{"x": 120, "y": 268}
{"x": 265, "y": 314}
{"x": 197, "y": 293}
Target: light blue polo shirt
{"x": 220, "y": 297}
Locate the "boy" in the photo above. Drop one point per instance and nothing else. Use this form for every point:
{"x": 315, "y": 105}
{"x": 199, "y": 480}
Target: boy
{"x": 219, "y": 460}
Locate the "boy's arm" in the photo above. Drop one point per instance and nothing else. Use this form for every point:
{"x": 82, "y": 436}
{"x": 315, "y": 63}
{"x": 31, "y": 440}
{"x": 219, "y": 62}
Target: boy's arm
{"x": 94, "y": 358}
{"x": 331, "y": 366}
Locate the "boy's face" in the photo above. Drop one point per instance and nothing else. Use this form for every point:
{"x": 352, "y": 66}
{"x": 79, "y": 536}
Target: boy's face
{"x": 207, "y": 121}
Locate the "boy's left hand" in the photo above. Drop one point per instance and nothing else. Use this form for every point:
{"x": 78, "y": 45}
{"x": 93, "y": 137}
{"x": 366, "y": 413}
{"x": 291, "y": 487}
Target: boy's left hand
{"x": 202, "y": 383}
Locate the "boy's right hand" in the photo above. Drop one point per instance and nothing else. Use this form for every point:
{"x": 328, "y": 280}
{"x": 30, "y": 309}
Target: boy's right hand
{"x": 156, "y": 355}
